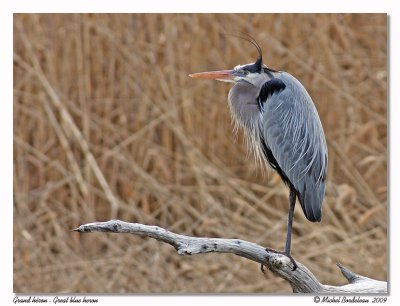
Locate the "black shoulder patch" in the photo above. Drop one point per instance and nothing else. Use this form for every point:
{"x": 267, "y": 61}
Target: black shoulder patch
{"x": 269, "y": 88}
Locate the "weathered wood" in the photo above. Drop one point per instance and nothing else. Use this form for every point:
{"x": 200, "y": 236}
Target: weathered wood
{"x": 302, "y": 280}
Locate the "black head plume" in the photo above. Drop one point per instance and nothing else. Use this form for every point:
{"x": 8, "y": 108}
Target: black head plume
{"x": 250, "y": 39}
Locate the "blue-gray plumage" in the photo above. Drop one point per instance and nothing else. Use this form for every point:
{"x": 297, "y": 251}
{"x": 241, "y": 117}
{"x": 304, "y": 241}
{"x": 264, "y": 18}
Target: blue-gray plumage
{"x": 283, "y": 129}
{"x": 291, "y": 129}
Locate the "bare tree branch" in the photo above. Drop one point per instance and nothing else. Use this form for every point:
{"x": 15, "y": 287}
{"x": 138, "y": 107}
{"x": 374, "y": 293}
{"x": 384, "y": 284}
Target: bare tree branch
{"x": 301, "y": 280}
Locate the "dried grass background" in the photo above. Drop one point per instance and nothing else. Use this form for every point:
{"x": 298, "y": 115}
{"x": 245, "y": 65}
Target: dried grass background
{"x": 107, "y": 124}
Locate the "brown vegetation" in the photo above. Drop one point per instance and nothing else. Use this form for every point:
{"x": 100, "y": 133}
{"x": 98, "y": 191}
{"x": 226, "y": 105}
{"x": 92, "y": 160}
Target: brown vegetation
{"x": 107, "y": 124}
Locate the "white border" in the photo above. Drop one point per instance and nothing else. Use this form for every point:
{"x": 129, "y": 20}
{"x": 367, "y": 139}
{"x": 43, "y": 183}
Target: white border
{"x": 221, "y": 6}
{"x": 7, "y": 8}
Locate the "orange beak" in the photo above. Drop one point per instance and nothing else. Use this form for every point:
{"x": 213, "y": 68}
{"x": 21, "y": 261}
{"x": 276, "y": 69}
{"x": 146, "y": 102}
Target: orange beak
{"x": 221, "y": 75}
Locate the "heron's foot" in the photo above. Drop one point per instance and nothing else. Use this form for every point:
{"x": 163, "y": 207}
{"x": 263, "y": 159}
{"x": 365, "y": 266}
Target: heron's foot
{"x": 293, "y": 261}
{"x": 283, "y": 253}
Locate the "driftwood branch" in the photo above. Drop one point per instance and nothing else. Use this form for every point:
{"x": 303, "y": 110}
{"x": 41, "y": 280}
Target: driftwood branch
{"x": 301, "y": 280}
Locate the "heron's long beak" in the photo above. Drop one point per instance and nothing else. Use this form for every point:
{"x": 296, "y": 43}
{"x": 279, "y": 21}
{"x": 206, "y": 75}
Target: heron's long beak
{"x": 221, "y": 75}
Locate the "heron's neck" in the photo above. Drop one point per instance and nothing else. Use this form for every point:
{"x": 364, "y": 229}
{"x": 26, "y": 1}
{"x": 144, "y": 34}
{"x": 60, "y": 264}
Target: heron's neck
{"x": 246, "y": 114}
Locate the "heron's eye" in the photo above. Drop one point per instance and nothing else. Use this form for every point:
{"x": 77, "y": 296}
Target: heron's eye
{"x": 240, "y": 70}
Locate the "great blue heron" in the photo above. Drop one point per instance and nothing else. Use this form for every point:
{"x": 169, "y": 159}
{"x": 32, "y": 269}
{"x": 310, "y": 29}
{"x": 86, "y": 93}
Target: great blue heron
{"x": 283, "y": 128}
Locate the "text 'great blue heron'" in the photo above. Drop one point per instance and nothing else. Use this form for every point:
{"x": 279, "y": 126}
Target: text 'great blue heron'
{"x": 283, "y": 128}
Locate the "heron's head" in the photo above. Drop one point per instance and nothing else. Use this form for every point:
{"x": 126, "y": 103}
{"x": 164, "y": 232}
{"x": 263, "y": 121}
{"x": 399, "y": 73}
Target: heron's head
{"x": 254, "y": 73}
{"x": 250, "y": 73}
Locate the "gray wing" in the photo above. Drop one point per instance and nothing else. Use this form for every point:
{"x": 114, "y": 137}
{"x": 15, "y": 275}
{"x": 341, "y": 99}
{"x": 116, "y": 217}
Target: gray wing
{"x": 295, "y": 142}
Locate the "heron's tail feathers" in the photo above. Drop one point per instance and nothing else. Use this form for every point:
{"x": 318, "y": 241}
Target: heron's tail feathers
{"x": 311, "y": 201}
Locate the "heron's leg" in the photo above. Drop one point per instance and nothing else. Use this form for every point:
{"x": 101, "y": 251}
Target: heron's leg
{"x": 292, "y": 202}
